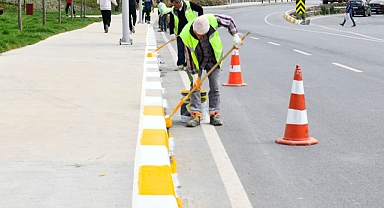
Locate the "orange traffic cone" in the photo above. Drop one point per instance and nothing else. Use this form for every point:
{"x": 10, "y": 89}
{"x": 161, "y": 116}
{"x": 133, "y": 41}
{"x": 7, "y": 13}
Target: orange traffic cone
{"x": 296, "y": 129}
{"x": 235, "y": 77}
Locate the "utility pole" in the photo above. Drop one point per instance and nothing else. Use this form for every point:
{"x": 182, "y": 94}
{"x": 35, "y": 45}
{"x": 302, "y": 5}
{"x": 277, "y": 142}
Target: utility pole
{"x": 125, "y": 17}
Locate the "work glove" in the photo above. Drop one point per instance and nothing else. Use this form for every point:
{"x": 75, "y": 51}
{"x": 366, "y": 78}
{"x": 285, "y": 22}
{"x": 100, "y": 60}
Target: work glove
{"x": 173, "y": 37}
{"x": 197, "y": 82}
{"x": 237, "y": 41}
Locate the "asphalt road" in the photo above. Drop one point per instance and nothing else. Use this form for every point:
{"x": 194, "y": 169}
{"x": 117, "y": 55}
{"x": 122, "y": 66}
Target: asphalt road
{"x": 343, "y": 78}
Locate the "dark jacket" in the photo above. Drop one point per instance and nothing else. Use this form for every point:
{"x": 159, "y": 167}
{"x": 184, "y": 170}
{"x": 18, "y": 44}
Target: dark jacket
{"x": 182, "y": 19}
{"x": 349, "y": 8}
{"x": 133, "y": 2}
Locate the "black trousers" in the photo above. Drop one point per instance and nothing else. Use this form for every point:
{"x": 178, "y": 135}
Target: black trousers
{"x": 132, "y": 16}
{"x": 69, "y": 6}
{"x": 106, "y": 14}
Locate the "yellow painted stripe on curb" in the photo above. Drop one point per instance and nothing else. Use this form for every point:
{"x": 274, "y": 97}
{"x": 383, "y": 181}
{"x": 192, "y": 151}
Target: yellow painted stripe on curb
{"x": 156, "y": 180}
{"x": 173, "y": 165}
{"x": 153, "y": 111}
{"x": 154, "y": 137}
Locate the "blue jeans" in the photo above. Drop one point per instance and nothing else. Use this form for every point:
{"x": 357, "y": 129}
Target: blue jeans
{"x": 163, "y": 25}
{"x": 180, "y": 52}
{"x": 147, "y": 10}
{"x": 350, "y": 17}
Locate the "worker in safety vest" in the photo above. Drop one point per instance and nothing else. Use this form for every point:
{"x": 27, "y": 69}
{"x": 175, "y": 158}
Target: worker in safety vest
{"x": 203, "y": 49}
{"x": 163, "y": 12}
{"x": 182, "y": 13}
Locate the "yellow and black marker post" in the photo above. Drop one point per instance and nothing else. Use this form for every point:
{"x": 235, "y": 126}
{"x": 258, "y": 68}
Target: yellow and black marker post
{"x": 300, "y": 6}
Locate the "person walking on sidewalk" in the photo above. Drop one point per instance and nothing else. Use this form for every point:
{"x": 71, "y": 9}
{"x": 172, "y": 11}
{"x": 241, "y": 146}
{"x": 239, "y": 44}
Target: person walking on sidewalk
{"x": 203, "y": 49}
{"x": 163, "y": 13}
{"x": 182, "y": 12}
{"x": 349, "y": 14}
{"x": 147, "y": 9}
{"x": 132, "y": 14}
{"x": 105, "y": 8}
{"x": 69, "y": 2}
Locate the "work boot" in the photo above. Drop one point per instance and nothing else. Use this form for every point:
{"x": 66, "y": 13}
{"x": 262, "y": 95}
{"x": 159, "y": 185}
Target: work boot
{"x": 193, "y": 121}
{"x": 180, "y": 68}
{"x": 215, "y": 120}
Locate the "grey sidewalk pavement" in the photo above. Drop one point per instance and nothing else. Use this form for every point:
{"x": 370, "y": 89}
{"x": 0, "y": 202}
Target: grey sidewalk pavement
{"x": 69, "y": 112}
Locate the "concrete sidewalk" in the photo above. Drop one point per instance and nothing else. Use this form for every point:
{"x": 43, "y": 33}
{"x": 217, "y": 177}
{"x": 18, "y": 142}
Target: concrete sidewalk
{"x": 69, "y": 119}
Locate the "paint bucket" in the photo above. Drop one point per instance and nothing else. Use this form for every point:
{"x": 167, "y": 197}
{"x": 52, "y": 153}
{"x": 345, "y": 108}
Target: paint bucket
{"x": 185, "y": 109}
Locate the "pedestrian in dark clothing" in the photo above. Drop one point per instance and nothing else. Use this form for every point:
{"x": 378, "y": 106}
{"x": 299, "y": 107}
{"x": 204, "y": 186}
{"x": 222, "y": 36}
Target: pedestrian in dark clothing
{"x": 349, "y": 14}
{"x": 132, "y": 14}
{"x": 147, "y": 10}
{"x": 182, "y": 12}
{"x": 69, "y": 2}
{"x": 105, "y": 8}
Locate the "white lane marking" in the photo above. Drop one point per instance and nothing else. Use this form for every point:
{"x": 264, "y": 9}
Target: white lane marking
{"x": 307, "y": 54}
{"x": 364, "y": 37}
{"x": 232, "y": 184}
{"x": 347, "y": 67}
{"x": 254, "y": 38}
{"x": 276, "y": 44}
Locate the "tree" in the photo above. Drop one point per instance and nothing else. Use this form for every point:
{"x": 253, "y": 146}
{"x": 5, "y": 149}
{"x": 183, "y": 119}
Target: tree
{"x": 20, "y": 22}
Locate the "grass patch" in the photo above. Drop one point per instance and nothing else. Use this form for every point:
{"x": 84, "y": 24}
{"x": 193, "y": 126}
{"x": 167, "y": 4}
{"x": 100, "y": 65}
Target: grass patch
{"x": 33, "y": 29}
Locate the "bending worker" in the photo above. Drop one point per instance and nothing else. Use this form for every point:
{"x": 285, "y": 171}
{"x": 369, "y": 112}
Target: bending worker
{"x": 203, "y": 49}
{"x": 182, "y": 13}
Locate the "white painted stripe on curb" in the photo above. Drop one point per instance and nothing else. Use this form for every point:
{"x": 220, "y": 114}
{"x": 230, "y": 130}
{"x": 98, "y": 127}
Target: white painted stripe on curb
{"x": 151, "y": 48}
{"x": 153, "y": 101}
{"x": 160, "y": 201}
{"x": 153, "y": 74}
{"x": 154, "y": 155}
{"x": 153, "y": 85}
{"x": 151, "y": 66}
{"x": 347, "y": 67}
{"x": 304, "y": 53}
{"x": 297, "y": 87}
{"x": 153, "y": 122}
{"x": 297, "y": 117}
{"x": 151, "y": 59}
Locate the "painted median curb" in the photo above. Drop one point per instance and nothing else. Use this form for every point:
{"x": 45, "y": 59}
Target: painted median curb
{"x": 155, "y": 178}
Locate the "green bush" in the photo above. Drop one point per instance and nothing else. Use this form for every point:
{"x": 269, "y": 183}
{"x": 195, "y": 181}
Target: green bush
{"x": 324, "y": 9}
{"x": 332, "y": 9}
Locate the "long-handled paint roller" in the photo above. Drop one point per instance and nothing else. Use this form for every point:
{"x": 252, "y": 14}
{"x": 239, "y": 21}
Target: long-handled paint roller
{"x": 150, "y": 54}
{"x": 168, "y": 120}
